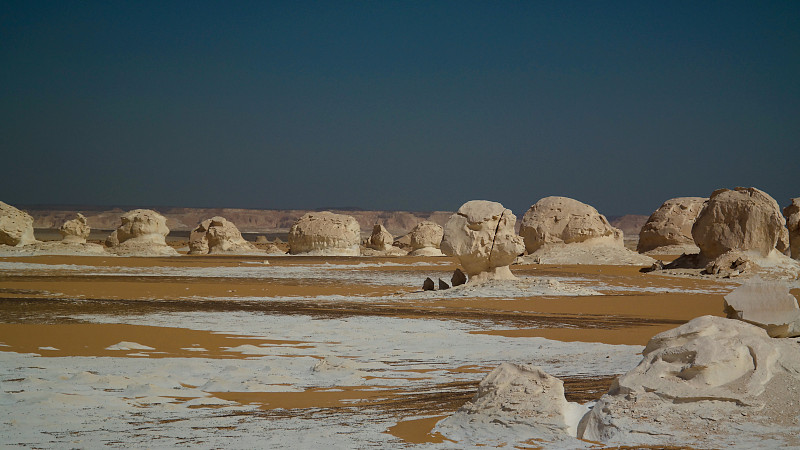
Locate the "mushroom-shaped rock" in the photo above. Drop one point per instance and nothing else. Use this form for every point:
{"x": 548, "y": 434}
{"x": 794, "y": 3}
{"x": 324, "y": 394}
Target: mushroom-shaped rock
{"x": 426, "y": 239}
{"x": 75, "y": 231}
{"x": 562, "y": 220}
{"x": 669, "y": 228}
{"x": 745, "y": 219}
{"x": 325, "y": 234}
{"x": 792, "y": 213}
{"x": 516, "y": 402}
{"x": 16, "y": 227}
{"x": 766, "y": 304}
{"x": 142, "y": 232}
{"x": 481, "y": 235}
{"x": 697, "y": 385}
{"x": 218, "y": 235}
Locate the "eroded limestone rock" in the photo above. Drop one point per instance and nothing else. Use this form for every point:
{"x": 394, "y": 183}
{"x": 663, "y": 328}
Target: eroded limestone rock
{"x": 481, "y": 235}
{"x": 325, "y": 234}
{"x": 142, "y": 232}
{"x": 16, "y": 227}
{"x": 698, "y": 385}
{"x": 75, "y": 231}
{"x": 515, "y": 402}
{"x": 426, "y": 239}
{"x": 766, "y": 304}
{"x": 218, "y": 235}
{"x": 669, "y": 228}
{"x": 562, "y": 220}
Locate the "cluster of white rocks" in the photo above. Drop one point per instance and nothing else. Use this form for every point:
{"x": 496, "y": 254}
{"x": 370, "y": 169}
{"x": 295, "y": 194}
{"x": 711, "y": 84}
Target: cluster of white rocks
{"x": 218, "y": 235}
{"x": 700, "y": 384}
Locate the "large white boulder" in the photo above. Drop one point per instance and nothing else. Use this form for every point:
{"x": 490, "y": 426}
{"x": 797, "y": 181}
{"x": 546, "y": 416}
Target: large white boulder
{"x": 560, "y": 230}
{"x": 75, "y": 231}
{"x": 218, "y": 235}
{"x": 744, "y": 219}
{"x": 142, "y": 232}
{"x": 700, "y": 385}
{"x": 669, "y": 228}
{"x": 481, "y": 235}
{"x": 426, "y": 239}
{"x": 766, "y": 304}
{"x": 792, "y": 213}
{"x": 325, "y": 234}
{"x": 515, "y": 402}
{"x": 562, "y": 220}
{"x": 16, "y": 227}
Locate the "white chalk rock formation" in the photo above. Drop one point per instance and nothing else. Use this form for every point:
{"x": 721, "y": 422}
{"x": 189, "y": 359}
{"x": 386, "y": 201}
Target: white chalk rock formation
{"x": 426, "y": 238}
{"x": 325, "y": 234}
{"x": 745, "y": 219}
{"x": 142, "y": 232}
{"x": 380, "y": 242}
{"x": 700, "y": 385}
{"x": 792, "y": 213}
{"x": 514, "y": 403}
{"x": 16, "y": 227}
{"x": 75, "y": 231}
{"x": 481, "y": 235}
{"x": 766, "y": 304}
{"x": 562, "y": 220}
{"x": 669, "y": 228}
{"x": 560, "y": 230}
{"x": 218, "y": 235}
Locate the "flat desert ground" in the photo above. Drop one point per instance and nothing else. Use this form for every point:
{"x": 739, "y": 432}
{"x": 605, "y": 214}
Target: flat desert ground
{"x": 302, "y": 352}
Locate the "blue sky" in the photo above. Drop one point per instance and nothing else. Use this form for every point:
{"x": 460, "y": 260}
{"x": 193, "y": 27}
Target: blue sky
{"x": 397, "y": 105}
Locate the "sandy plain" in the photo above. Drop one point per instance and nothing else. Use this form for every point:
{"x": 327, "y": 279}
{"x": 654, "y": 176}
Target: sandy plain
{"x": 352, "y": 344}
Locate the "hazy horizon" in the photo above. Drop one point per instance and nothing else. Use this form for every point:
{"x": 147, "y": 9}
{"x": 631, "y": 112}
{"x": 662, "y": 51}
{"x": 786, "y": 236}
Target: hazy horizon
{"x": 416, "y": 106}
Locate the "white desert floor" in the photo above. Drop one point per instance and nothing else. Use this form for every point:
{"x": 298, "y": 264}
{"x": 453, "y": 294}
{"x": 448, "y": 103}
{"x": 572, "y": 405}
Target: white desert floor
{"x": 297, "y": 352}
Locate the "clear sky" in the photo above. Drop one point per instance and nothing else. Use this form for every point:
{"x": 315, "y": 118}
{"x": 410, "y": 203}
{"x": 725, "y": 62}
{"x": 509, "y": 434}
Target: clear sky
{"x": 397, "y": 105}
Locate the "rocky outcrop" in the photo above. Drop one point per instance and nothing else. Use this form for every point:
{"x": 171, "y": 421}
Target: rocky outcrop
{"x": 765, "y": 304}
{"x": 560, "y": 230}
{"x": 142, "y": 232}
{"x": 16, "y": 227}
{"x": 426, "y": 238}
{"x": 562, "y": 220}
{"x": 325, "y": 234}
{"x": 481, "y": 235}
{"x": 75, "y": 231}
{"x": 745, "y": 219}
{"x": 699, "y": 385}
{"x": 515, "y": 402}
{"x": 669, "y": 228}
{"x": 218, "y": 235}
{"x": 792, "y": 213}
{"x": 380, "y": 243}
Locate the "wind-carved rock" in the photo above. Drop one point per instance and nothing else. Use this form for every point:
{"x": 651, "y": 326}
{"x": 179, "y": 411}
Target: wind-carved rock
{"x": 792, "y": 213}
{"x": 16, "y": 227}
{"x": 669, "y": 228}
{"x": 142, "y": 232}
{"x": 325, "y": 234}
{"x": 515, "y": 402}
{"x": 745, "y": 219}
{"x": 381, "y": 242}
{"x": 560, "y": 230}
{"x": 218, "y": 235}
{"x": 765, "y": 304}
{"x": 75, "y": 231}
{"x": 698, "y": 385}
{"x": 426, "y": 239}
{"x": 481, "y": 235}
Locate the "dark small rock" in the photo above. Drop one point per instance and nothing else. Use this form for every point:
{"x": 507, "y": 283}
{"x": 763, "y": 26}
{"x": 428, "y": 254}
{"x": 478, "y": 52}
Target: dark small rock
{"x": 458, "y": 278}
{"x": 658, "y": 265}
{"x": 428, "y": 284}
{"x": 443, "y": 284}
